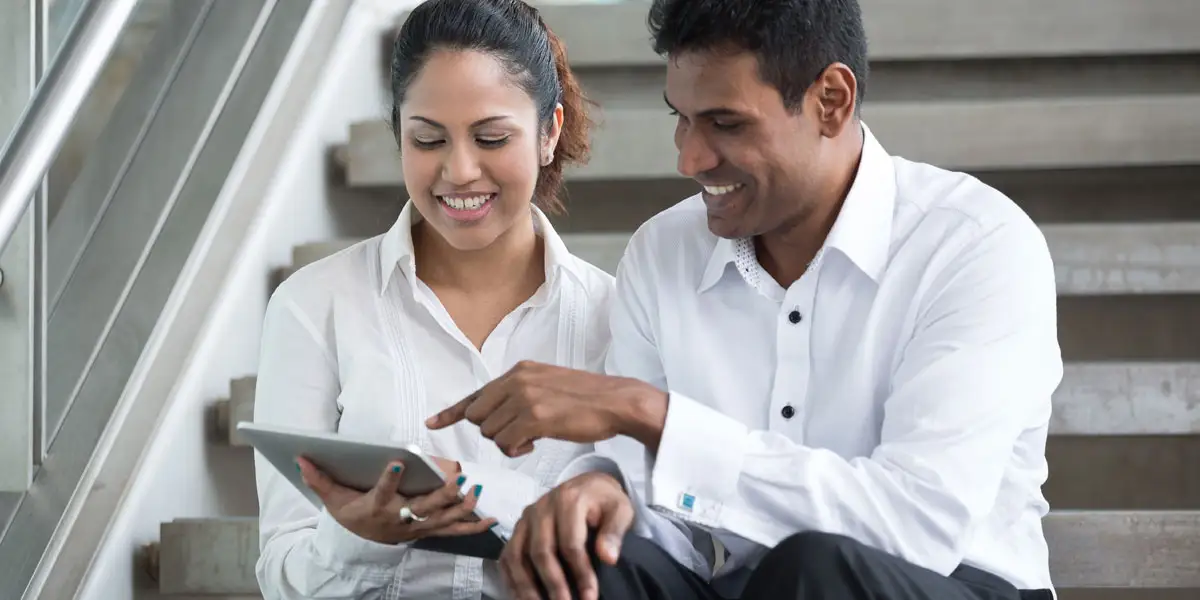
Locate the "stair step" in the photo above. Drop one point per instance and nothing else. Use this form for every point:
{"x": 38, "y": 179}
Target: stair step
{"x": 981, "y": 134}
{"x": 1128, "y": 399}
{"x": 1136, "y": 549}
{"x": 1091, "y": 259}
{"x": 207, "y": 556}
{"x": 1088, "y": 549}
{"x": 616, "y": 34}
{"x": 306, "y": 254}
{"x": 237, "y": 409}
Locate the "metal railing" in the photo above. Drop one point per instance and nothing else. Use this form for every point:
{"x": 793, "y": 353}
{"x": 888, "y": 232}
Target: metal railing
{"x": 40, "y": 131}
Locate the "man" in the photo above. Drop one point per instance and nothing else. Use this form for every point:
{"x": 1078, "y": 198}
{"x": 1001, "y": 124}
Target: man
{"x": 839, "y": 363}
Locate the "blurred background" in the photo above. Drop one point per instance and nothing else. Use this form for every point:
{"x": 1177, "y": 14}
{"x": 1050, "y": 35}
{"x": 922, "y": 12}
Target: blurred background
{"x": 168, "y": 162}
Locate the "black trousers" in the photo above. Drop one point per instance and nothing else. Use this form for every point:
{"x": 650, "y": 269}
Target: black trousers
{"x": 806, "y": 566}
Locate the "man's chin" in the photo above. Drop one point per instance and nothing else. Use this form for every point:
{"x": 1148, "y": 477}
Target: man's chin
{"x": 724, "y": 227}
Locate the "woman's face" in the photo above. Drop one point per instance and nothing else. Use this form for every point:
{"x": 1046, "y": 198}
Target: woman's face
{"x": 471, "y": 148}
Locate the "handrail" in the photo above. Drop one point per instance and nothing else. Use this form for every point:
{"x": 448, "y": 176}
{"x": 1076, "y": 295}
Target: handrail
{"x": 41, "y": 129}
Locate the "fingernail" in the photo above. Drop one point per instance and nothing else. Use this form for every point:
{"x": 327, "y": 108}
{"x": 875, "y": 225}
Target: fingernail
{"x": 395, "y": 468}
{"x": 613, "y": 543}
{"x": 478, "y": 490}
{"x": 431, "y": 421}
{"x": 462, "y": 479}
{"x": 298, "y": 467}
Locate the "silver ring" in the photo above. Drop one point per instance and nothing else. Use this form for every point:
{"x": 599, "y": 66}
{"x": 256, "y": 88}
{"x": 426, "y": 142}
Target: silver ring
{"x": 408, "y": 516}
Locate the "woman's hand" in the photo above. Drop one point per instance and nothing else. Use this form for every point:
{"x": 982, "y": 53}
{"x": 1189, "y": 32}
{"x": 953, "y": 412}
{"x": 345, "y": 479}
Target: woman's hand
{"x": 375, "y": 515}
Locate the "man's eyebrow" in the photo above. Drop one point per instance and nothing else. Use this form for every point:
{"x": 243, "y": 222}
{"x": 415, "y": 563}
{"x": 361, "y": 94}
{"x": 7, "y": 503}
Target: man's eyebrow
{"x": 710, "y": 113}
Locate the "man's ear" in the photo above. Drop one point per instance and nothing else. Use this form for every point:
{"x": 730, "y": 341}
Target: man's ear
{"x": 835, "y": 99}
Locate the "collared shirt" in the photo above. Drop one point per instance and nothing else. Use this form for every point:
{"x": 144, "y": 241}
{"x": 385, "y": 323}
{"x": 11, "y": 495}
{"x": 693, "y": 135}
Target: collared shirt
{"x": 356, "y": 343}
{"x": 898, "y": 393}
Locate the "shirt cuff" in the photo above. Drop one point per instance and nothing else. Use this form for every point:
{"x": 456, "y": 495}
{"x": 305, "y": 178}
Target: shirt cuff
{"x": 340, "y": 546}
{"x": 505, "y": 493}
{"x": 699, "y": 461}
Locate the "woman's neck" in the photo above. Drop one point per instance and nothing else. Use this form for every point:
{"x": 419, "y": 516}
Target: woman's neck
{"x": 515, "y": 259}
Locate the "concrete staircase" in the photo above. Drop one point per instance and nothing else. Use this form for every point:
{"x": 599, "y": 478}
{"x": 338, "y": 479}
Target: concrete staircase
{"x": 1085, "y": 112}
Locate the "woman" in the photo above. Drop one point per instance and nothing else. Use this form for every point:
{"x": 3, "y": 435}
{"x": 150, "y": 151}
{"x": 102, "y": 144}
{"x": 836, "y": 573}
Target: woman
{"x": 470, "y": 280}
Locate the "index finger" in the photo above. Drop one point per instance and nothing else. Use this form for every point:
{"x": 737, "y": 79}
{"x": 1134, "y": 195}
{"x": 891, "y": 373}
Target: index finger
{"x": 453, "y": 414}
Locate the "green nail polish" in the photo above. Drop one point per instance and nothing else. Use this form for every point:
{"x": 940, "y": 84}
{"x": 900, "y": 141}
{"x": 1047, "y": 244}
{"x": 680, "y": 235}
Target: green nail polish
{"x": 478, "y": 490}
{"x": 462, "y": 479}
{"x": 395, "y": 468}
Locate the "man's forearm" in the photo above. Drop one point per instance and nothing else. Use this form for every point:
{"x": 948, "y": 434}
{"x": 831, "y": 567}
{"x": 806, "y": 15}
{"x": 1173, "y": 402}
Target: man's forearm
{"x": 644, "y": 415}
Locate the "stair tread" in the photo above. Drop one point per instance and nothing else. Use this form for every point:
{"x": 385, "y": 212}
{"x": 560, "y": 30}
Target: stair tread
{"x": 616, "y": 34}
{"x": 1089, "y": 259}
{"x": 1087, "y": 549}
{"x": 1011, "y": 133}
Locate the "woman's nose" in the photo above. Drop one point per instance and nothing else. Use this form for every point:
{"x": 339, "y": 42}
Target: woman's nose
{"x": 461, "y": 166}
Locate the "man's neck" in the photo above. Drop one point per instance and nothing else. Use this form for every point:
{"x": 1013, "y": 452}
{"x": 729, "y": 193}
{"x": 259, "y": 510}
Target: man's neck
{"x": 515, "y": 258}
{"x": 787, "y": 252}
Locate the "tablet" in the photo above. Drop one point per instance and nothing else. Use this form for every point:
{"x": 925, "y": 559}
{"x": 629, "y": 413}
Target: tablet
{"x": 357, "y": 463}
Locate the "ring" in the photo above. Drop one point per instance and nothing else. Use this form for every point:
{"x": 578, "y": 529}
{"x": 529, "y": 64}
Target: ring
{"x": 408, "y": 516}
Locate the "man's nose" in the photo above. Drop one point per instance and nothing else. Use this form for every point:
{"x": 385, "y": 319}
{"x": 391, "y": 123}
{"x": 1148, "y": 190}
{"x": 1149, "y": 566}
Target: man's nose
{"x": 695, "y": 154}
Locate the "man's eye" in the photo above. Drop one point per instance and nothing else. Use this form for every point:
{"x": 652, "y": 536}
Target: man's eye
{"x": 726, "y": 126}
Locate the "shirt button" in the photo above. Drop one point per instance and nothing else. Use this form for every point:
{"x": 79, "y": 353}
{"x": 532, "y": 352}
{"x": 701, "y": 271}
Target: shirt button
{"x": 788, "y": 412}
{"x": 794, "y": 317}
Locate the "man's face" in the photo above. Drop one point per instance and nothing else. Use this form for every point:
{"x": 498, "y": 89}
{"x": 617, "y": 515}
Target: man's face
{"x": 756, "y": 159}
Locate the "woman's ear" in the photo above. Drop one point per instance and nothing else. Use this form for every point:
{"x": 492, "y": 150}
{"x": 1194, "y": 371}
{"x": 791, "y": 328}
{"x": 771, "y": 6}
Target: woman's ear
{"x": 550, "y": 140}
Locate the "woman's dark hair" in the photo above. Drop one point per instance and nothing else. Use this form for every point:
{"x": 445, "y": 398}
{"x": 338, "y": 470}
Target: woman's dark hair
{"x": 515, "y": 34}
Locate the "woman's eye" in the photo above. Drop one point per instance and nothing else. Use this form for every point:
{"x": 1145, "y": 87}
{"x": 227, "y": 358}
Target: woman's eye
{"x": 492, "y": 142}
{"x": 426, "y": 143}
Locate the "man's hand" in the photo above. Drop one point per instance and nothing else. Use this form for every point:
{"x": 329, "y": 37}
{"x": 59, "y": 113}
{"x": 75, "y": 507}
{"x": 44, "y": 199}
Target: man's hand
{"x": 533, "y": 401}
{"x": 554, "y": 531}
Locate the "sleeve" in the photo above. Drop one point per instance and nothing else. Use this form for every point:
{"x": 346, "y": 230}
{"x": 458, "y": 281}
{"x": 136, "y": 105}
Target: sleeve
{"x": 979, "y": 369}
{"x": 632, "y": 353}
{"x": 305, "y": 553}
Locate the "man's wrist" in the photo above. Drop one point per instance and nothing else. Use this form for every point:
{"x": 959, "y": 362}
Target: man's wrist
{"x": 644, "y": 415}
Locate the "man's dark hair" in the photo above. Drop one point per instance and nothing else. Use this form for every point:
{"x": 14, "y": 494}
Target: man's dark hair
{"x": 795, "y": 40}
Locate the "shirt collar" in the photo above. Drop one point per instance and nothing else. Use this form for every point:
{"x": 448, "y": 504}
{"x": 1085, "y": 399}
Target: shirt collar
{"x": 863, "y": 229}
{"x": 396, "y": 249}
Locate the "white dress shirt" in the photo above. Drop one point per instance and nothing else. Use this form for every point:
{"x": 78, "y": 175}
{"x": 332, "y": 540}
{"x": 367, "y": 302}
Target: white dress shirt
{"x": 355, "y": 343}
{"x": 897, "y": 393}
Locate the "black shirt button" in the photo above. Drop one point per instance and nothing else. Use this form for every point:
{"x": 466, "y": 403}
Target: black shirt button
{"x": 788, "y": 412}
{"x": 794, "y": 317}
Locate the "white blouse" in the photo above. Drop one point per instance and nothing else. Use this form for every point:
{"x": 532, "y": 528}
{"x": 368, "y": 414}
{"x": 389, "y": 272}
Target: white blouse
{"x": 356, "y": 343}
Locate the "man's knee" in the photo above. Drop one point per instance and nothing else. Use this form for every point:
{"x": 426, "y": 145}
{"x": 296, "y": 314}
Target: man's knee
{"x": 643, "y": 570}
{"x": 806, "y": 550}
